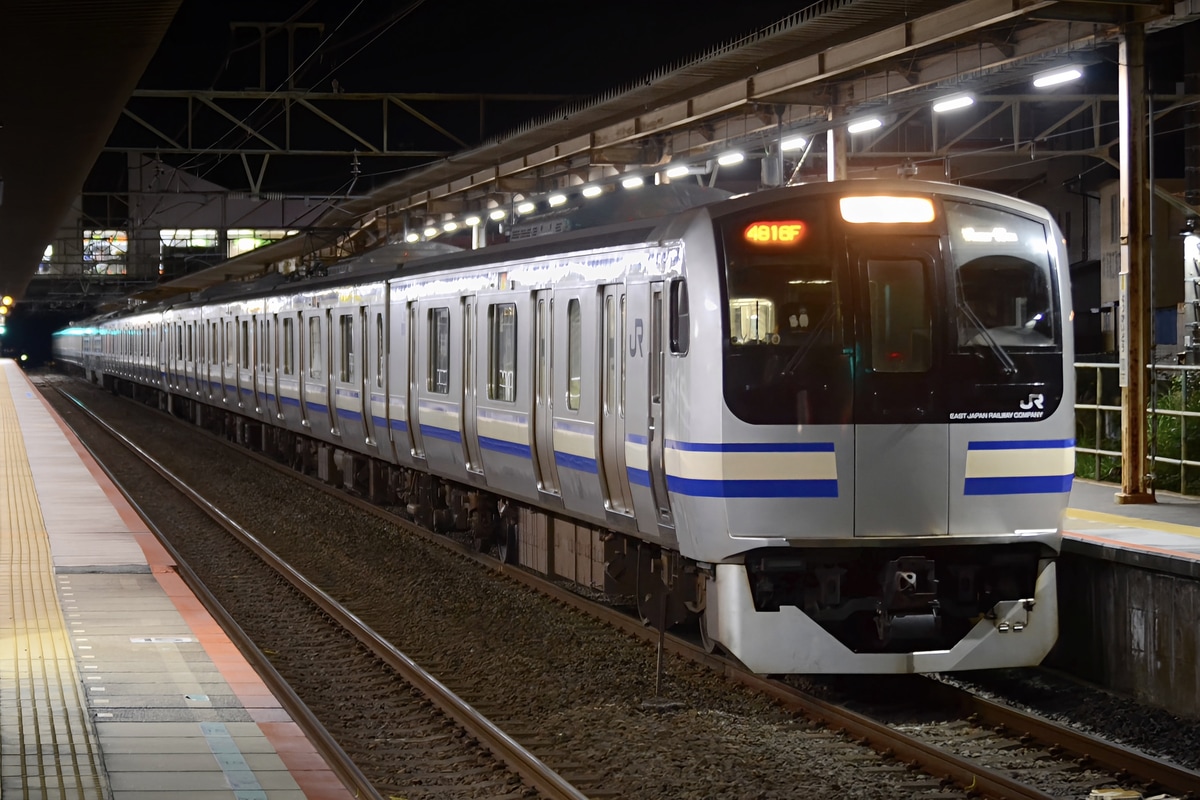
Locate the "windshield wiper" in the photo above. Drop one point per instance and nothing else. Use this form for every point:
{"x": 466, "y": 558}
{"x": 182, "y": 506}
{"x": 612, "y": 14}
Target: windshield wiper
{"x": 1006, "y": 362}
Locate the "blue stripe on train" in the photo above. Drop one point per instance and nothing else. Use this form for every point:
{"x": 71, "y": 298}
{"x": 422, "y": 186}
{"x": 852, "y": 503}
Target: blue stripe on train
{"x": 1028, "y": 484}
{"x": 1029, "y": 444}
{"x": 445, "y": 434}
{"x": 751, "y": 447}
{"x": 638, "y": 477}
{"x": 577, "y": 463}
{"x": 505, "y": 447}
{"x": 750, "y": 488}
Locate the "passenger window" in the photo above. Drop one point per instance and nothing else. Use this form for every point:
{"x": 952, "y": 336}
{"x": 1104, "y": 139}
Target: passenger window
{"x": 680, "y": 318}
{"x": 267, "y": 340}
{"x": 610, "y": 347}
{"x": 289, "y": 339}
{"x": 245, "y": 361}
{"x": 502, "y": 352}
{"x": 316, "y": 360}
{"x": 439, "y": 350}
{"x": 621, "y": 387}
{"x": 346, "y": 342}
{"x": 574, "y": 355}
{"x": 230, "y": 344}
{"x": 380, "y": 343}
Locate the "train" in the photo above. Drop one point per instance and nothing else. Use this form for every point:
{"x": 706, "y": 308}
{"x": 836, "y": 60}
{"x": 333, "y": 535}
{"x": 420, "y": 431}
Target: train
{"x": 829, "y": 426}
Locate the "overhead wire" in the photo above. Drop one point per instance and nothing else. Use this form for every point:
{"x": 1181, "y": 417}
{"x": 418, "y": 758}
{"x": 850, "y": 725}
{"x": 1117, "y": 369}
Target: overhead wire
{"x": 245, "y": 119}
{"x": 380, "y": 30}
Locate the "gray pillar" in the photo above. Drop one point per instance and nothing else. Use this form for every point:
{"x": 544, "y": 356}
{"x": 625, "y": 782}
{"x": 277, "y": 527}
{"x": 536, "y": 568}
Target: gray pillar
{"x": 1136, "y": 486}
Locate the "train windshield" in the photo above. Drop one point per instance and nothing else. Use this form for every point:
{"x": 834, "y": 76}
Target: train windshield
{"x": 834, "y": 319}
{"x": 782, "y": 321}
{"x": 1004, "y": 297}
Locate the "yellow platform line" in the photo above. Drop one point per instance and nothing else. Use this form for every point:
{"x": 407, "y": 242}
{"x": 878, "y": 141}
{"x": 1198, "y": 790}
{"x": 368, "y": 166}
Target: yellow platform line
{"x": 1133, "y": 522}
{"x": 43, "y": 719}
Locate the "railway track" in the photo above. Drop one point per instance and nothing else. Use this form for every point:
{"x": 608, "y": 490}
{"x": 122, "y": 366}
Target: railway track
{"x": 425, "y": 739}
{"x": 981, "y": 748}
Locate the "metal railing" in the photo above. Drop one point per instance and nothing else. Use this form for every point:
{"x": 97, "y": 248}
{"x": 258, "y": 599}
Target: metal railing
{"x": 1173, "y": 420}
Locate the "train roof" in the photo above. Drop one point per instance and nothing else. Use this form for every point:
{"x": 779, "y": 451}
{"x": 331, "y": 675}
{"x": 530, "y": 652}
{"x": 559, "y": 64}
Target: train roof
{"x": 637, "y": 225}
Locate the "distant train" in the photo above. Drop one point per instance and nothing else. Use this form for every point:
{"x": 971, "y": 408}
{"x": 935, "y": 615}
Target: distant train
{"x": 830, "y": 423}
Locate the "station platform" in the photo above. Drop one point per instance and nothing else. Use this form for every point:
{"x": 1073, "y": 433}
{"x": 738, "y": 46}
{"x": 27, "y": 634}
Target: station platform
{"x": 115, "y": 683}
{"x": 1164, "y": 535}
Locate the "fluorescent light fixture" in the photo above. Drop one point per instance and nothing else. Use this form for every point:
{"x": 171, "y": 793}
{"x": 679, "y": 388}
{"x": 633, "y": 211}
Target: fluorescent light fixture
{"x": 497, "y": 214}
{"x": 412, "y": 237}
{"x": 525, "y": 208}
{"x": 592, "y": 191}
{"x": 430, "y": 232}
{"x": 730, "y": 158}
{"x": 633, "y": 182}
{"x": 1056, "y": 77}
{"x": 472, "y": 220}
{"x": 864, "y": 125}
{"x": 953, "y": 103}
{"x": 793, "y": 143}
{"x": 886, "y": 209}
{"x": 450, "y": 226}
{"x": 677, "y": 171}
{"x": 556, "y": 200}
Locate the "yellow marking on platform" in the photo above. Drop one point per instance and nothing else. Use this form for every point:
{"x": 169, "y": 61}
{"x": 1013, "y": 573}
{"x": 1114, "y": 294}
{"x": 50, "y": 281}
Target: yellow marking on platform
{"x": 1133, "y": 522}
{"x": 45, "y": 729}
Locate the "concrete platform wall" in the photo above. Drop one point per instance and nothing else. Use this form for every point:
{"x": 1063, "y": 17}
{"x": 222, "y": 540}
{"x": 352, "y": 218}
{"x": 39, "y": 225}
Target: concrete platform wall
{"x": 1131, "y": 627}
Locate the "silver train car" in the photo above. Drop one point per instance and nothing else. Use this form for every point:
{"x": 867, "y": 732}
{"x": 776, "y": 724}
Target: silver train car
{"x": 830, "y": 424}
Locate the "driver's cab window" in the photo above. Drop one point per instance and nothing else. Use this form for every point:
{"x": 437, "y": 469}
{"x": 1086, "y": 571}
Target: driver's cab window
{"x": 1002, "y": 274}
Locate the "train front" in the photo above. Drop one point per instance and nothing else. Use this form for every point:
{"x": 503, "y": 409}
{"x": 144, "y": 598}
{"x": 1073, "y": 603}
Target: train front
{"x": 896, "y": 443}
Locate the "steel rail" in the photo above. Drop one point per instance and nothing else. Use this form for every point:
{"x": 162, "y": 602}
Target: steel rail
{"x": 535, "y": 772}
{"x": 1047, "y": 732}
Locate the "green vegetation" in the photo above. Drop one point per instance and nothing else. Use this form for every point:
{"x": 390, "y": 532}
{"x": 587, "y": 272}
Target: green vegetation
{"x": 1178, "y": 434}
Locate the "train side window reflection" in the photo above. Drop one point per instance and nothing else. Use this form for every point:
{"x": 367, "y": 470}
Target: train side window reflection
{"x": 380, "y": 350}
{"x": 574, "y": 355}
{"x": 346, "y": 336}
{"x": 316, "y": 364}
{"x": 439, "y": 350}
{"x": 230, "y": 343}
{"x": 502, "y": 352}
{"x": 244, "y": 360}
{"x": 289, "y": 346}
